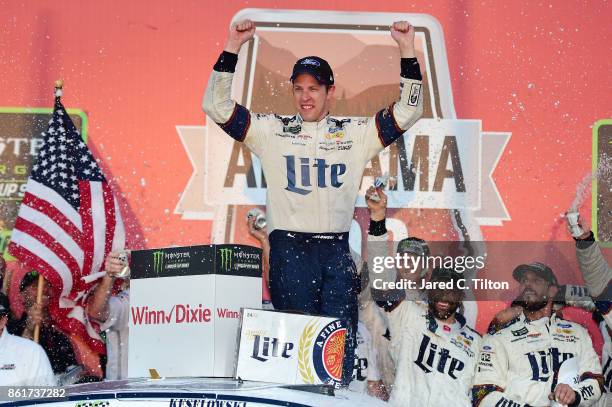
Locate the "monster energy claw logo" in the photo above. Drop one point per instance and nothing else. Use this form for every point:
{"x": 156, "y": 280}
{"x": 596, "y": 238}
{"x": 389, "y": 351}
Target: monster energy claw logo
{"x": 158, "y": 261}
{"x": 226, "y": 258}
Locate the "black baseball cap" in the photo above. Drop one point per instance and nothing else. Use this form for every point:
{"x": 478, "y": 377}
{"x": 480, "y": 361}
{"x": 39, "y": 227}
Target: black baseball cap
{"x": 540, "y": 269}
{"x": 28, "y": 279}
{"x": 413, "y": 245}
{"x": 315, "y": 66}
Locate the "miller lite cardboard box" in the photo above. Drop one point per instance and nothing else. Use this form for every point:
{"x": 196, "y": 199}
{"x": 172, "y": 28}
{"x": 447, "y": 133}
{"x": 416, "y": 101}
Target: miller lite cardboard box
{"x": 185, "y": 308}
{"x": 281, "y": 347}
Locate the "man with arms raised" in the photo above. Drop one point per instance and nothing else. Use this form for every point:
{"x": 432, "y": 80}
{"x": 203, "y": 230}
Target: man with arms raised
{"x": 313, "y": 164}
{"x": 433, "y": 349}
{"x": 597, "y": 275}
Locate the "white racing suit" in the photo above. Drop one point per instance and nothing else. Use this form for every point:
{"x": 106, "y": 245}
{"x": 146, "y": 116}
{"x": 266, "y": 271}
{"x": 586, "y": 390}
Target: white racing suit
{"x": 434, "y": 362}
{"x": 517, "y": 365}
{"x": 313, "y": 172}
{"x": 366, "y": 361}
{"x": 374, "y": 334}
{"x": 372, "y": 316}
{"x": 597, "y": 275}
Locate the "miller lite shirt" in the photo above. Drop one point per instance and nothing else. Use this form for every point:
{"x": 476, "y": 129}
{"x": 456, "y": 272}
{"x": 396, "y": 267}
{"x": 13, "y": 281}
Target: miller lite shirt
{"x": 313, "y": 170}
{"x": 606, "y": 358}
{"x": 517, "y": 365}
{"x": 434, "y": 362}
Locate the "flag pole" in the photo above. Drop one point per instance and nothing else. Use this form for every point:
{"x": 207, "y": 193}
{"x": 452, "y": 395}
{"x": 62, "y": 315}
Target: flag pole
{"x": 39, "y": 293}
{"x": 59, "y": 84}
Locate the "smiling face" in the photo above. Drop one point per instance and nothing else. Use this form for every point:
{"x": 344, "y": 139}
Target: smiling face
{"x": 444, "y": 303}
{"x": 310, "y": 98}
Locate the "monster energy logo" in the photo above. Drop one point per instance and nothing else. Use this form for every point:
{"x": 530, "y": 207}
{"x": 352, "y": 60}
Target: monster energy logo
{"x": 158, "y": 261}
{"x": 226, "y": 258}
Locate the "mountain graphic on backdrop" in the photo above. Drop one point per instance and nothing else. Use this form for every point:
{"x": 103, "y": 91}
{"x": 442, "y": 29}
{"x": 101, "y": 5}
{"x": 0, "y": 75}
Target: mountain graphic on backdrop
{"x": 365, "y": 83}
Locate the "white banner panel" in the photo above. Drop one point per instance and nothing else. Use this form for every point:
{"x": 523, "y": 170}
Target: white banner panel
{"x": 288, "y": 348}
{"x": 185, "y": 308}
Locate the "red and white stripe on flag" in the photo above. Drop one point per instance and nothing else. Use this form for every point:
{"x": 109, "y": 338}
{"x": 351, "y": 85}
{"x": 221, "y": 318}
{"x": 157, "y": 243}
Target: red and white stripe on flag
{"x": 67, "y": 224}
{"x": 65, "y": 246}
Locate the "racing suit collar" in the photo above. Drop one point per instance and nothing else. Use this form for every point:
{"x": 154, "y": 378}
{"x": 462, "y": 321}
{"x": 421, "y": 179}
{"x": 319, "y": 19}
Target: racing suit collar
{"x": 301, "y": 121}
{"x": 541, "y": 321}
{"x": 435, "y": 327}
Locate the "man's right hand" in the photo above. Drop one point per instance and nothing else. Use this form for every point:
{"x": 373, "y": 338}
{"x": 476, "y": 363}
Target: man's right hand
{"x": 258, "y": 234}
{"x": 574, "y": 226}
{"x": 378, "y": 209}
{"x": 240, "y": 32}
{"x": 113, "y": 265}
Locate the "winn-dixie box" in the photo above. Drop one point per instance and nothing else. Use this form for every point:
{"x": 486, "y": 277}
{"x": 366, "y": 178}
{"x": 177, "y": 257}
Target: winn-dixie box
{"x": 185, "y": 308}
{"x": 281, "y": 347}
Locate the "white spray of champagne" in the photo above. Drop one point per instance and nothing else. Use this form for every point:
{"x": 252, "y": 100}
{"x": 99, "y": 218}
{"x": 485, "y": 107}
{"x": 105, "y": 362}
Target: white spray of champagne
{"x": 604, "y": 171}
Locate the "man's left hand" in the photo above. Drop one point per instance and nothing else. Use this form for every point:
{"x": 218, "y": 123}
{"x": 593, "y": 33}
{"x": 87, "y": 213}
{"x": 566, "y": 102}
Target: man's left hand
{"x": 403, "y": 33}
{"x": 377, "y": 208}
{"x": 258, "y": 234}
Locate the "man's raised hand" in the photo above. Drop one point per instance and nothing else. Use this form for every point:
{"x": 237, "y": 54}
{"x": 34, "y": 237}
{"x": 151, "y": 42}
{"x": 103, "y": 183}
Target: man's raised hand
{"x": 377, "y": 207}
{"x": 113, "y": 264}
{"x": 239, "y": 33}
{"x": 403, "y": 33}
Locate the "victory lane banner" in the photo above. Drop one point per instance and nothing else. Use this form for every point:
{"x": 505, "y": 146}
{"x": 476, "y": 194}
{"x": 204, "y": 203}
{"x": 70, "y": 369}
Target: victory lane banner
{"x": 290, "y": 348}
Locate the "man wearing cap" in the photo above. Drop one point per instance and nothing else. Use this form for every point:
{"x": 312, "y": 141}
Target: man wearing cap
{"x": 313, "y": 164}
{"x": 378, "y": 242}
{"x": 22, "y": 361}
{"x": 374, "y": 297}
{"x": 433, "y": 347}
{"x": 55, "y": 343}
{"x": 423, "y": 325}
{"x": 519, "y": 364}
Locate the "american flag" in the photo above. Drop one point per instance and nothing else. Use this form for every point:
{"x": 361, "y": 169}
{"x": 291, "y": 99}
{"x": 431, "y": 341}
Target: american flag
{"x": 67, "y": 223}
